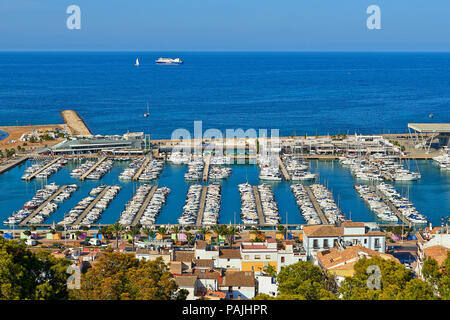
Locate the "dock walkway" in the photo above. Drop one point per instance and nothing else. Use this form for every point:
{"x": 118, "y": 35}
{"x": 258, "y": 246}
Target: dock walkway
{"x": 201, "y": 209}
{"x": 84, "y": 175}
{"x": 34, "y": 174}
{"x": 313, "y": 199}
{"x": 206, "y": 168}
{"x": 35, "y": 212}
{"x": 286, "y": 175}
{"x": 141, "y": 169}
{"x": 75, "y": 124}
{"x": 144, "y": 206}
{"x": 92, "y": 205}
{"x": 9, "y": 165}
{"x": 259, "y": 210}
{"x": 391, "y": 206}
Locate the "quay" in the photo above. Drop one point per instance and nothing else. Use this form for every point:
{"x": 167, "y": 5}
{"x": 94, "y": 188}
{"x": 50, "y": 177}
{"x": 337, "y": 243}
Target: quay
{"x": 75, "y": 124}
{"x": 83, "y": 177}
{"x": 206, "y": 168}
{"x": 31, "y": 176}
{"x": 9, "y": 165}
{"x": 259, "y": 209}
{"x": 313, "y": 199}
{"x": 283, "y": 169}
{"x": 144, "y": 205}
{"x": 141, "y": 169}
{"x": 37, "y": 210}
{"x": 201, "y": 209}
{"x": 92, "y": 205}
{"x": 391, "y": 206}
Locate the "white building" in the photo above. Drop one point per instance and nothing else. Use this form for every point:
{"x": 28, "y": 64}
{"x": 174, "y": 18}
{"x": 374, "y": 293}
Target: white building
{"x": 267, "y": 285}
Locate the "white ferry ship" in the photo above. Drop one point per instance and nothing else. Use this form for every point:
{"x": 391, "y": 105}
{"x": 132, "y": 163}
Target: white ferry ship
{"x": 169, "y": 61}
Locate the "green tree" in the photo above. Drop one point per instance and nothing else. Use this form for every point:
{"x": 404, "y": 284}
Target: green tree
{"x": 270, "y": 270}
{"x": 162, "y": 231}
{"x": 134, "y": 231}
{"x": 231, "y": 232}
{"x": 118, "y": 276}
{"x": 106, "y": 232}
{"x": 176, "y": 230}
{"x": 149, "y": 232}
{"x": 28, "y": 275}
{"x": 304, "y": 280}
{"x": 117, "y": 229}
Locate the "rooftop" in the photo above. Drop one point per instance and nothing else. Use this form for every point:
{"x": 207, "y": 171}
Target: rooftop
{"x": 430, "y": 127}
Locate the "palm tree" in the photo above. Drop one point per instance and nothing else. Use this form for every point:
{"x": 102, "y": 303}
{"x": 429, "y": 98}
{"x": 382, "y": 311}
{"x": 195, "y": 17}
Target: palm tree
{"x": 162, "y": 231}
{"x": 176, "y": 230}
{"x": 219, "y": 230}
{"x": 203, "y": 231}
{"x": 256, "y": 232}
{"x": 149, "y": 232}
{"x": 117, "y": 229}
{"x": 105, "y": 231}
{"x": 231, "y": 232}
{"x": 134, "y": 231}
{"x": 190, "y": 238}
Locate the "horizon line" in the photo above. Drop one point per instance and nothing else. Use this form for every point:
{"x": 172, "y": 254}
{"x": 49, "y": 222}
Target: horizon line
{"x": 230, "y": 51}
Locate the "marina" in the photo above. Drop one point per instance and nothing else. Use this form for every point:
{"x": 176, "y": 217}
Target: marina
{"x": 93, "y": 168}
{"x": 144, "y": 205}
{"x": 53, "y": 165}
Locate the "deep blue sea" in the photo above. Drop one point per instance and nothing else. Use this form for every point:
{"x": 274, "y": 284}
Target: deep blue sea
{"x": 293, "y": 92}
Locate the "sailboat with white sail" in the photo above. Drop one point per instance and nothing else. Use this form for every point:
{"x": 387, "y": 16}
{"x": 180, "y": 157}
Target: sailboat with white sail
{"x": 137, "y": 62}
{"x": 148, "y": 112}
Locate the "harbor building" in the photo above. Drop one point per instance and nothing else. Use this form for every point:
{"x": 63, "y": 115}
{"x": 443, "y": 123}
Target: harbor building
{"x": 424, "y": 134}
{"x": 130, "y": 143}
{"x": 324, "y": 237}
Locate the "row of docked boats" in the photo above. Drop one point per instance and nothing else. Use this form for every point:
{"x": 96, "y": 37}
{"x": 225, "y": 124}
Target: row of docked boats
{"x": 94, "y": 214}
{"x": 402, "y": 204}
{"x": 192, "y": 205}
{"x": 218, "y": 172}
{"x": 443, "y": 160}
{"x": 268, "y": 204}
{"x": 76, "y": 211}
{"x": 379, "y": 167}
{"x": 82, "y": 169}
{"x": 134, "y": 204}
{"x": 326, "y": 203}
{"x": 297, "y": 168}
{"x": 133, "y": 167}
{"x": 52, "y": 206}
{"x": 219, "y": 160}
{"x": 102, "y": 169}
{"x": 212, "y": 205}
{"x": 152, "y": 170}
{"x": 39, "y": 198}
{"x": 195, "y": 169}
{"x": 249, "y": 215}
{"x": 178, "y": 157}
{"x": 47, "y": 172}
{"x": 154, "y": 207}
{"x": 305, "y": 204}
{"x": 269, "y": 168}
{"x": 375, "y": 203}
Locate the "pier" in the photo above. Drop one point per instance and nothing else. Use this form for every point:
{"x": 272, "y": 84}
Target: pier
{"x": 259, "y": 209}
{"x": 206, "y": 168}
{"x": 74, "y": 123}
{"x": 35, "y": 212}
{"x": 144, "y": 205}
{"x": 283, "y": 169}
{"x": 34, "y": 174}
{"x": 401, "y": 217}
{"x": 92, "y": 205}
{"x": 9, "y": 165}
{"x": 313, "y": 199}
{"x": 201, "y": 209}
{"x": 141, "y": 169}
{"x": 83, "y": 177}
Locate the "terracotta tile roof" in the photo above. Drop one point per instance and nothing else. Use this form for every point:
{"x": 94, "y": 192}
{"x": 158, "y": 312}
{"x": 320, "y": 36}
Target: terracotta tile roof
{"x": 200, "y": 244}
{"x": 215, "y": 294}
{"x": 230, "y": 254}
{"x": 329, "y": 259}
{"x": 204, "y": 263}
{"x": 207, "y": 274}
{"x": 437, "y": 252}
{"x": 270, "y": 240}
{"x": 186, "y": 281}
{"x": 185, "y": 256}
{"x": 323, "y": 231}
{"x": 254, "y": 246}
{"x": 239, "y": 279}
{"x": 351, "y": 224}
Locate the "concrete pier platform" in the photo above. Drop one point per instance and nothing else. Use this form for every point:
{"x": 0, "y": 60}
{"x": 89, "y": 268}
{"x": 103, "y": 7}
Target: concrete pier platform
{"x": 144, "y": 206}
{"x": 319, "y": 211}
{"x": 201, "y": 209}
{"x": 83, "y": 177}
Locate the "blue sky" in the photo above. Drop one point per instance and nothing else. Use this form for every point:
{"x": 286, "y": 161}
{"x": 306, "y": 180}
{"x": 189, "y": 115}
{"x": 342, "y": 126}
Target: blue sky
{"x": 225, "y": 25}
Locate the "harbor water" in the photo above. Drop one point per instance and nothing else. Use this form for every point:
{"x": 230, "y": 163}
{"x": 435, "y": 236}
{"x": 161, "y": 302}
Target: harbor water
{"x": 430, "y": 195}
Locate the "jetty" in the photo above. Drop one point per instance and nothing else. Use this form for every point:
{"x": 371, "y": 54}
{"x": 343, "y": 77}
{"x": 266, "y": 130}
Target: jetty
{"x": 37, "y": 210}
{"x": 83, "y": 177}
{"x": 391, "y": 206}
{"x": 206, "y": 168}
{"x": 144, "y": 205}
{"x": 313, "y": 199}
{"x": 74, "y": 123}
{"x": 201, "y": 209}
{"x": 11, "y": 164}
{"x": 283, "y": 169}
{"x": 34, "y": 174}
{"x": 91, "y": 205}
{"x": 259, "y": 209}
{"x": 141, "y": 169}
